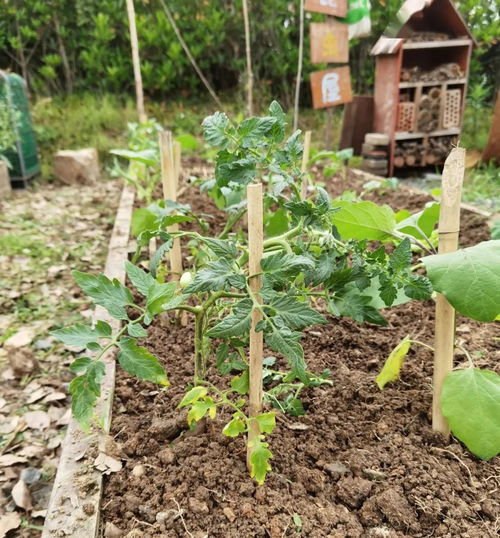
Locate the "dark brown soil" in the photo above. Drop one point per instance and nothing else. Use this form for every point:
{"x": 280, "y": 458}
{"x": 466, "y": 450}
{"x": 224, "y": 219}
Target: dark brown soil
{"x": 360, "y": 463}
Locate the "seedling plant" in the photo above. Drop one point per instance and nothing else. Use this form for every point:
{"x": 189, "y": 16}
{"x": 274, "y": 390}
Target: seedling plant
{"x": 317, "y": 259}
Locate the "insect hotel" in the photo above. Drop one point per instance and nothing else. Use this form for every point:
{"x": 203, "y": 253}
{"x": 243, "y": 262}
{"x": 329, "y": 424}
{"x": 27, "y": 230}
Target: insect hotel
{"x": 421, "y": 83}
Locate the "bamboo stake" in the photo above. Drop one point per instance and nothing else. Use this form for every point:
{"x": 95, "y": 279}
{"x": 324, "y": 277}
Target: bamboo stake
{"x": 255, "y": 244}
{"x": 449, "y": 227}
{"x": 177, "y": 164}
{"x": 170, "y": 193}
{"x": 136, "y": 61}
{"x": 305, "y": 160}
{"x": 248, "y": 50}
{"x": 299, "y": 68}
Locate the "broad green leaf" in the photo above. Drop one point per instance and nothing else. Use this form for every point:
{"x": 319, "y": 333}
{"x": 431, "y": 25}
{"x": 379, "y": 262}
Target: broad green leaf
{"x": 418, "y": 287}
{"x": 293, "y": 313}
{"x": 136, "y": 330}
{"x": 259, "y": 459}
{"x": 216, "y": 276}
{"x": 252, "y": 130}
{"x": 267, "y": 422}
{"x": 140, "y": 362}
{"x": 279, "y": 268}
{"x": 159, "y": 294}
{"x": 392, "y": 366}
{"x": 141, "y": 280}
{"x": 200, "y": 408}
{"x": 284, "y": 341}
{"x": 355, "y": 305}
{"x": 239, "y": 383}
{"x": 84, "y": 391}
{"x": 470, "y": 401}
{"x": 234, "y": 427}
{"x": 112, "y": 295}
{"x": 147, "y": 156}
{"x": 237, "y": 323}
{"x": 276, "y": 222}
{"x": 401, "y": 257}
{"x": 82, "y": 335}
{"x": 194, "y": 394}
{"x": 142, "y": 221}
{"x": 214, "y": 129}
{"x": 158, "y": 256}
{"x": 364, "y": 220}
{"x": 469, "y": 279}
{"x": 187, "y": 141}
{"x": 420, "y": 225}
{"x": 231, "y": 169}
{"x": 80, "y": 365}
{"x": 221, "y": 248}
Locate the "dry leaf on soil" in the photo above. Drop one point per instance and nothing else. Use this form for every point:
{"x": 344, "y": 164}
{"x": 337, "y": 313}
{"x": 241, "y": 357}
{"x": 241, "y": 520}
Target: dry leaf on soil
{"x": 37, "y": 420}
{"x": 10, "y": 459}
{"x": 22, "y": 338}
{"x": 9, "y": 522}
{"x": 21, "y": 495}
{"x": 106, "y": 464}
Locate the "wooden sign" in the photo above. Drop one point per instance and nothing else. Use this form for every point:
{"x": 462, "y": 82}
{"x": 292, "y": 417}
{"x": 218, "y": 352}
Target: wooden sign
{"x": 337, "y": 8}
{"x": 331, "y": 87}
{"x": 329, "y": 42}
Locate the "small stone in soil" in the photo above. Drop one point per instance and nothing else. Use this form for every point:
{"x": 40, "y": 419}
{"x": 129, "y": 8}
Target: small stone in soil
{"x": 138, "y": 471}
{"x": 198, "y": 507}
{"x": 231, "y": 516}
{"x": 373, "y": 474}
{"x": 166, "y": 456}
{"x": 336, "y": 469}
{"x": 30, "y": 475}
{"x": 112, "y": 531}
{"x": 353, "y": 491}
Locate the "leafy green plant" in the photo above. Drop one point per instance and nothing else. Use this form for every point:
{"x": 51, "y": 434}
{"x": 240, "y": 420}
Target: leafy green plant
{"x": 470, "y": 398}
{"x": 317, "y": 260}
{"x": 9, "y": 116}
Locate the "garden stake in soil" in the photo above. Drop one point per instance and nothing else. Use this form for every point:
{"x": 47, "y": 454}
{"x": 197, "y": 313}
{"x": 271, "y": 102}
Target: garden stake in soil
{"x": 136, "y": 62}
{"x": 255, "y": 244}
{"x": 305, "y": 159}
{"x": 449, "y": 224}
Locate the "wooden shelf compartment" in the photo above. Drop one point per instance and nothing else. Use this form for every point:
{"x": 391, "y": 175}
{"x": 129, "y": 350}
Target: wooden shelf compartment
{"x": 422, "y": 84}
{"x": 436, "y": 44}
{"x": 441, "y": 132}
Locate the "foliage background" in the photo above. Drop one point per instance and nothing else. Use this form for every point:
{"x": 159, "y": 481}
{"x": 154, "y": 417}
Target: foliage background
{"x": 62, "y": 46}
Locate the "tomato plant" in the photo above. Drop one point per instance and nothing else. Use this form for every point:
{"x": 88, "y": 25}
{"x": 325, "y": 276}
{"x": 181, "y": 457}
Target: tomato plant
{"x": 317, "y": 261}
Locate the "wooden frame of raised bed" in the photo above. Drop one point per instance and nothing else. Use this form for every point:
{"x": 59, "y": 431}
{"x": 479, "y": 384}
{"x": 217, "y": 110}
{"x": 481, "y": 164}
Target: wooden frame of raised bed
{"x": 74, "y": 504}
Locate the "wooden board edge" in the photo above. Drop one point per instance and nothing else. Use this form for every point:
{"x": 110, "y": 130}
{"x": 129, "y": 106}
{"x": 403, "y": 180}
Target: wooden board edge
{"x": 74, "y": 503}
{"x": 415, "y": 190}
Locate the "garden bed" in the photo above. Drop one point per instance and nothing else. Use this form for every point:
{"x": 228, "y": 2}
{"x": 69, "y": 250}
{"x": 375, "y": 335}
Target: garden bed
{"x": 360, "y": 463}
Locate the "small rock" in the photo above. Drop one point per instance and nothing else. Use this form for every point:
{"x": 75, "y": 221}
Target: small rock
{"x": 88, "y": 509}
{"x": 43, "y": 343}
{"x": 161, "y": 517}
{"x": 246, "y": 509}
{"x": 30, "y": 475}
{"x": 373, "y": 474}
{"x": 336, "y": 469}
{"x": 166, "y": 456}
{"x": 135, "y": 534}
{"x": 198, "y": 507}
{"x": 112, "y": 531}
{"x": 353, "y": 491}
{"x": 138, "y": 471}
{"x": 231, "y": 516}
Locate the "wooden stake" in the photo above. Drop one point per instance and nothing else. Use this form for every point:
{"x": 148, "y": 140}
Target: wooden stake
{"x": 255, "y": 244}
{"x": 177, "y": 164}
{"x": 305, "y": 160}
{"x": 248, "y": 51}
{"x": 136, "y": 62}
{"x": 170, "y": 193}
{"x": 299, "y": 67}
{"x": 449, "y": 227}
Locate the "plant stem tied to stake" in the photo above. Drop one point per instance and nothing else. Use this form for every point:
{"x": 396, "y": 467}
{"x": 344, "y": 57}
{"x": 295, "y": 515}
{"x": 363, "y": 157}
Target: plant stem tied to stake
{"x": 449, "y": 227}
{"x": 136, "y": 62}
{"x": 255, "y": 243}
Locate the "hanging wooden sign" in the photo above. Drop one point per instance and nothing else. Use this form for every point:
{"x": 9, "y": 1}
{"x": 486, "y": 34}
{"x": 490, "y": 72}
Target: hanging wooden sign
{"x": 329, "y": 42}
{"x": 331, "y": 87}
{"x": 337, "y": 8}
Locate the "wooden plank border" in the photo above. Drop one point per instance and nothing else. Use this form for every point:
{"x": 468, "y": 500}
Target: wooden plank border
{"x": 74, "y": 504}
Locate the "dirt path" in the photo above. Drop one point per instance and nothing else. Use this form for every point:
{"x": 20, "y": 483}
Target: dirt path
{"x": 45, "y": 233}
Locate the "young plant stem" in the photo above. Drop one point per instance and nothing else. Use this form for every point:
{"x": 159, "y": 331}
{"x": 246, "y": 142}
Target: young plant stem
{"x": 231, "y": 222}
{"x": 199, "y": 360}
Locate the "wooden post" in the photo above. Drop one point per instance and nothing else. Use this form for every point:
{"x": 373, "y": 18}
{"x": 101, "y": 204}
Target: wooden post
{"x": 170, "y": 193}
{"x": 255, "y": 244}
{"x": 449, "y": 226}
{"x": 248, "y": 50}
{"x": 177, "y": 164}
{"x": 305, "y": 160}
{"x": 136, "y": 61}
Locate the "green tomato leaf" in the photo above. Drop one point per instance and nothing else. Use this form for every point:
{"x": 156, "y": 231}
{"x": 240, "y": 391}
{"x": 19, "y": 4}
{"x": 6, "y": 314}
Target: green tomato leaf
{"x": 146, "y": 156}
{"x": 143, "y": 221}
{"x": 469, "y": 279}
{"x": 237, "y": 323}
{"x": 141, "y": 280}
{"x": 194, "y": 394}
{"x": 392, "y": 366}
{"x": 221, "y": 248}
{"x": 259, "y": 459}
{"x": 84, "y": 390}
{"x": 80, "y": 365}
{"x": 252, "y": 130}
{"x": 401, "y": 257}
{"x": 284, "y": 341}
{"x": 420, "y": 225}
{"x": 112, "y": 295}
{"x": 136, "y": 330}
{"x": 214, "y": 129}
{"x": 82, "y": 335}
{"x": 364, "y": 220}
{"x": 200, "y": 408}
{"x": 279, "y": 268}
{"x": 158, "y": 256}
{"x": 234, "y": 427}
{"x": 218, "y": 275}
{"x": 140, "y": 362}
{"x": 231, "y": 169}
{"x": 293, "y": 313}
{"x": 470, "y": 401}
{"x": 267, "y": 422}
{"x": 239, "y": 383}
{"x": 158, "y": 295}
{"x": 418, "y": 287}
